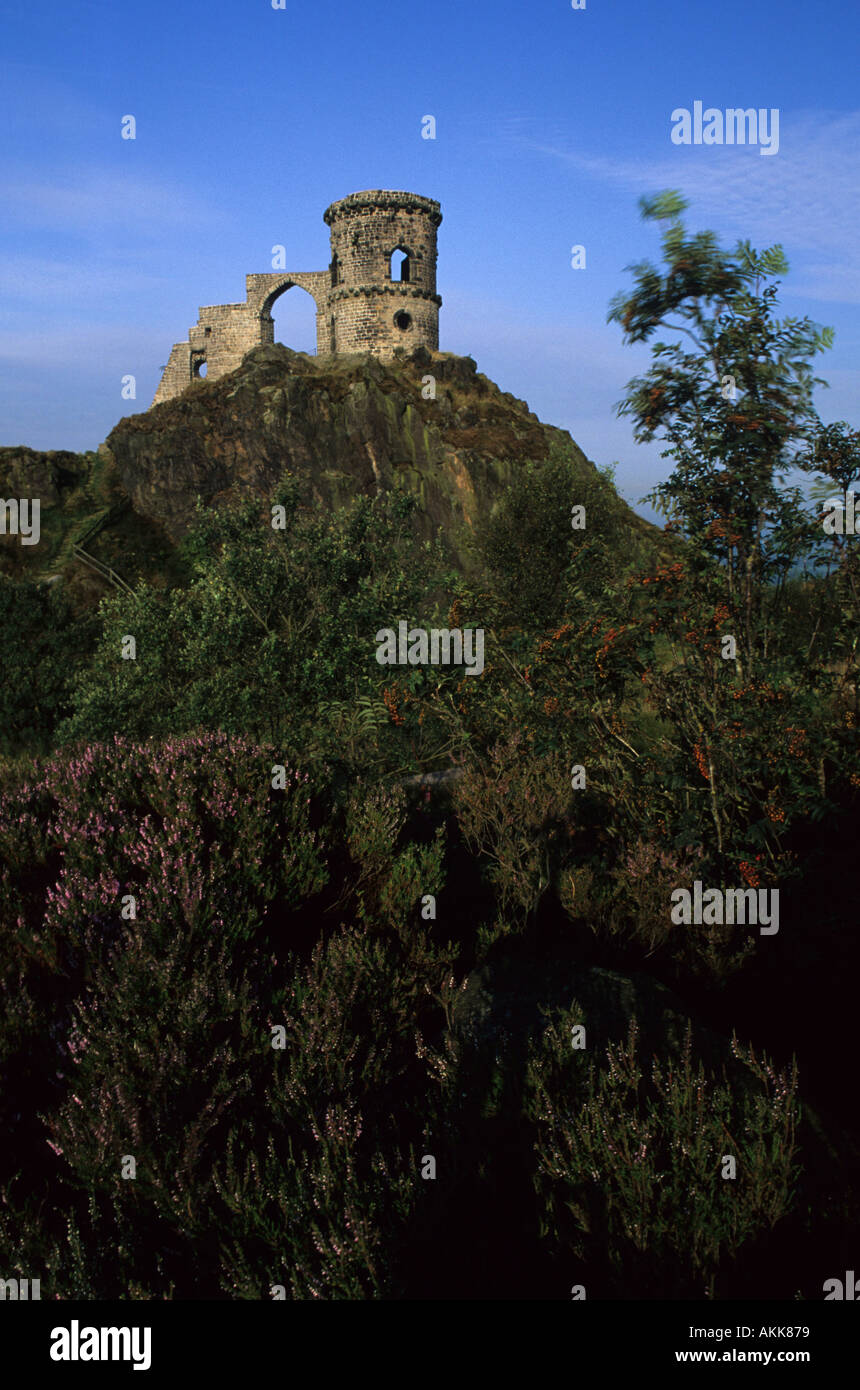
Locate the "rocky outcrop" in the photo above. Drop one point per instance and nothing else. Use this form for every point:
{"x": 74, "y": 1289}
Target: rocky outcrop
{"x": 29, "y": 473}
{"x": 429, "y": 423}
{"x": 49, "y": 478}
{"x": 346, "y": 425}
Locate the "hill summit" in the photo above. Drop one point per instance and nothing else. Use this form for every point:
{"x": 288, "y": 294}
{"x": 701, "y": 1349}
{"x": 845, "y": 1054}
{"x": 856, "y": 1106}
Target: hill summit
{"x": 428, "y": 422}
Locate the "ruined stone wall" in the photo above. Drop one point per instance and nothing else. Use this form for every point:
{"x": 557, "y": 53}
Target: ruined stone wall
{"x": 359, "y": 306}
{"x": 220, "y": 338}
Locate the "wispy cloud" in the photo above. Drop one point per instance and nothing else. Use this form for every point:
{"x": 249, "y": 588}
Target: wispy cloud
{"x": 807, "y": 196}
{"x": 33, "y": 279}
{"x": 97, "y": 200}
{"x": 89, "y": 347}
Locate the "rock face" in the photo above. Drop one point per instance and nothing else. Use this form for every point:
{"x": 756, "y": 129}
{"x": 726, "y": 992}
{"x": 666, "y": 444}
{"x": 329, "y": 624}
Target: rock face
{"x": 344, "y": 425}
{"x": 348, "y": 425}
{"x": 27, "y": 473}
{"x": 48, "y": 478}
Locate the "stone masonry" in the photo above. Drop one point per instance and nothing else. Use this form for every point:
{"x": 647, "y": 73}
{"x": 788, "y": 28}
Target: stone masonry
{"x": 378, "y": 294}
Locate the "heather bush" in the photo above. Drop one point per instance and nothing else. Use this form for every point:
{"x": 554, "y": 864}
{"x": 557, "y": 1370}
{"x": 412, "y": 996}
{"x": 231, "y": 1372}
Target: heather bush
{"x": 628, "y": 1159}
{"x": 256, "y": 1165}
{"x": 135, "y": 881}
{"x": 375, "y": 817}
{"x": 319, "y": 1193}
{"x": 515, "y": 810}
{"x": 159, "y": 1053}
{"x": 146, "y": 1032}
{"x": 191, "y": 829}
{"x": 417, "y": 871}
{"x": 158, "y": 1065}
{"x": 645, "y": 877}
{"x": 391, "y": 878}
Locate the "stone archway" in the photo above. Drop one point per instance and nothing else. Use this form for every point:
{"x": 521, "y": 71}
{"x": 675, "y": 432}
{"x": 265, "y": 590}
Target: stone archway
{"x": 284, "y": 318}
{"x": 263, "y": 290}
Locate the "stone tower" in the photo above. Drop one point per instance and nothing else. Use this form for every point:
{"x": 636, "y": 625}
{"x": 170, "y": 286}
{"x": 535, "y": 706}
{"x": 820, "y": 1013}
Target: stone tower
{"x": 383, "y": 273}
{"x": 378, "y": 294}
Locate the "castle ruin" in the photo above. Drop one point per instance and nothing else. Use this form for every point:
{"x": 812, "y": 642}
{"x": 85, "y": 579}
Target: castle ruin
{"x": 378, "y": 294}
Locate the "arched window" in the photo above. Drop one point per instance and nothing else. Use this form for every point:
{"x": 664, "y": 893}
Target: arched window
{"x": 293, "y": 314}
{"x": 335, "y": 270}
{"x": 400, "y": 263}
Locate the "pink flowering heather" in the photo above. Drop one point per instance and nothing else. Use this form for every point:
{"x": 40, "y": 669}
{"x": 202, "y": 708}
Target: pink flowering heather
{"x": 189, "y": 828}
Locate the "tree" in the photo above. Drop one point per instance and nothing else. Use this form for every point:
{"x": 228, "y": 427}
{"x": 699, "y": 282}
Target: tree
{"x": 732, "y": 399}
{"x": 542, "y": 567}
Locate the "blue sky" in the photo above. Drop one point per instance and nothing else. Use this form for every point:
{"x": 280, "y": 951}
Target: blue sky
{"x": 551, "y": 122}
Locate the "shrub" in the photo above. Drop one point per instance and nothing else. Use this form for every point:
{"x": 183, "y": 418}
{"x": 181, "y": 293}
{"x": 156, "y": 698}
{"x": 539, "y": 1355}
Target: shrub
{"x": 318, "y": 1196}
{"x": 629, "y": 1165}
{"x": 645, "y": 878}
{"x": 190, "y": 828}
{"x": 150, "y": 1035}
{"x": 513, "y": 808}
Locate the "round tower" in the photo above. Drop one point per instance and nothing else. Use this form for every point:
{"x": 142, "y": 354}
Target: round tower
{"x": 382, "y": 294}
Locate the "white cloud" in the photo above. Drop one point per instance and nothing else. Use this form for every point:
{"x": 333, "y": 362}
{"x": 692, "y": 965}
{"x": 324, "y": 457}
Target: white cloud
{"x": 95, "y": 200}
{"x": 85, "y": 347}
{"x": 807, "y": 196}
{"x": 56, "y": 283}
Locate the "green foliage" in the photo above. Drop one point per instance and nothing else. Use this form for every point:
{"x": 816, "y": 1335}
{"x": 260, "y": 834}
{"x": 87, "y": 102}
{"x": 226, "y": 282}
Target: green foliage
{"x": 43, "y": 647}
{"x": 731, "y": 396}
{"x": 512, "y": 810}
{"x": 375, "y": 816}
{"x": 629, "y": 1165}
{"x": 417, "y": 871}
{"x": 391, "y": 880}
{"x": 537, "y": 564}
{"x": 275, "y": 626}
{"x": 835, "y": 456}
